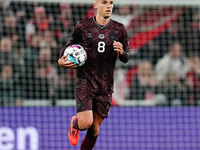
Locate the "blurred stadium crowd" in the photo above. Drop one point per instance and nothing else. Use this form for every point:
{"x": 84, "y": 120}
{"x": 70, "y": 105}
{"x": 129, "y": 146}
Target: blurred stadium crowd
{"x": 164, "y": 58}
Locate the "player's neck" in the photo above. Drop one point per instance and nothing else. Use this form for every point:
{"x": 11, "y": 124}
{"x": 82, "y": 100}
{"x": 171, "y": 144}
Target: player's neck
{"x": 101, "y": 20}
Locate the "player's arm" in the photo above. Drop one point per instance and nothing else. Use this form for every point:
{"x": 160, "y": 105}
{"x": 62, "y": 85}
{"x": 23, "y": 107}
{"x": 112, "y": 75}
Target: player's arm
{"x": 68, "y": 64}
{"x": 74, "y": 39}
{"x": 122, "y": 46}
{"x": 124, "y": 57}
{"x": 61, "y": 60}
{"x": 123, "y": 54}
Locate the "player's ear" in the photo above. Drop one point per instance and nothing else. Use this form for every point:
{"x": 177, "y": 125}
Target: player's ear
{"x": 95, "y": 5}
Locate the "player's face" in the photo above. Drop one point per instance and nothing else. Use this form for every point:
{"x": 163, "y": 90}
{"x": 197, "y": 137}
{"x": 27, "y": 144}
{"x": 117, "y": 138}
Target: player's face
{"x": 104, "y": 8}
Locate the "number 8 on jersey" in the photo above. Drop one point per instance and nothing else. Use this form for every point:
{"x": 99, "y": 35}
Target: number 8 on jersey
{"x": 101, "y": 47}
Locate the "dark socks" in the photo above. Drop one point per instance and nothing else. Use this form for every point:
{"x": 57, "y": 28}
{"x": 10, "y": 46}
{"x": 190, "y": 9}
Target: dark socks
{"x": 88, "y": 142}
{"x": 75, "y": 123}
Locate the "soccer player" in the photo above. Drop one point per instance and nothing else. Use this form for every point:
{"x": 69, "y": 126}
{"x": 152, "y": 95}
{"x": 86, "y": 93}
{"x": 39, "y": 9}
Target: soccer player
{"x": 104, "y": 40}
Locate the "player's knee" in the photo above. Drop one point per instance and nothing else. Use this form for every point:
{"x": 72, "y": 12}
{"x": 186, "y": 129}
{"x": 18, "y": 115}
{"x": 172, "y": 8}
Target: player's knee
{"x": 95, "y": 129}
{"x": 85, "y": 124}
{"x": 96, "y": 132}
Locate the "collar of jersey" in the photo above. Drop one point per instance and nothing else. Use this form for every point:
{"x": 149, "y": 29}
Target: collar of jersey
{"x": 99, "y": 24}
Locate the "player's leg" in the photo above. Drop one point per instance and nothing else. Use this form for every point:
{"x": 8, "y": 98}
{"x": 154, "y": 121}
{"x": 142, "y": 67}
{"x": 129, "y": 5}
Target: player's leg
{"x": 84, "y": 118}
{"x": 100, "y": 111}
{"x": 81, "y": 121}
{"x": 92, "y": 133}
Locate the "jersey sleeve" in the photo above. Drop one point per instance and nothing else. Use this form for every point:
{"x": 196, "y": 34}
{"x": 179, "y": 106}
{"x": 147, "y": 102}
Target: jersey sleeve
{"x": 75, "y": 38}
{"x": 124, "y": 41}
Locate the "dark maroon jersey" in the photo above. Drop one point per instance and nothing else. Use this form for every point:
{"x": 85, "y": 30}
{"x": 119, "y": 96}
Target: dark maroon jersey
{"x": 96, "y": 75}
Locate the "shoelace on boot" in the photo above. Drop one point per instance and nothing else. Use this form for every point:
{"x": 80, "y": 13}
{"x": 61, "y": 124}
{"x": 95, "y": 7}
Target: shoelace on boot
{"x": 74, "y": 132}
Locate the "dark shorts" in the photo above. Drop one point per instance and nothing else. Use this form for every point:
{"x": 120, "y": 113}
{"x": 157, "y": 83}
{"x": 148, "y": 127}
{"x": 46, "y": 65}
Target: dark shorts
{"x": 90, "y": 101}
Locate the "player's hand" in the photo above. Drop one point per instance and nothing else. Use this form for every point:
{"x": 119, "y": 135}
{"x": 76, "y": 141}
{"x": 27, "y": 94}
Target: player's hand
{"x": 67, "y": 64}
{"x": 118, "y": 47}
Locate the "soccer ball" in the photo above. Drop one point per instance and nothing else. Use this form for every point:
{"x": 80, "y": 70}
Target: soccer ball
{"x": 76, "y": 53}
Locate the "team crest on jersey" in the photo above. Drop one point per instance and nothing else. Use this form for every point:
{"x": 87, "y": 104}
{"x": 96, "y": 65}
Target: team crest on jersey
{"x": 113, "y": 36}
{"x": 101, "y": 36}
{"x": 90, "y": 35}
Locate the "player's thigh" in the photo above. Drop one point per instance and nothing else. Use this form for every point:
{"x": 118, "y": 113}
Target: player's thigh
{"x": 97, "y": 119}
{"x": 84, "y": 108}
{"x": 85, "y": 119}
